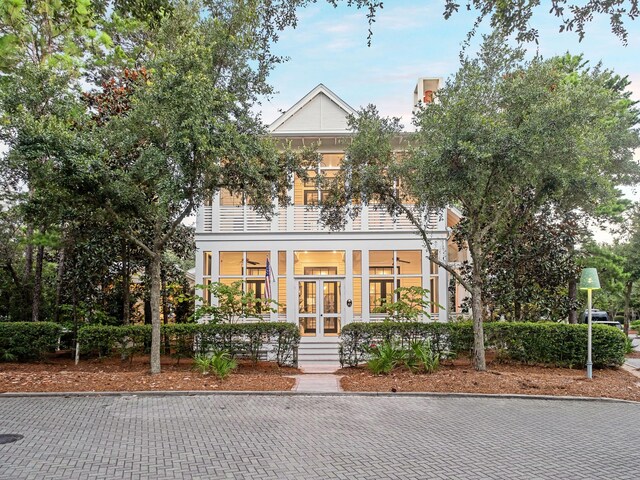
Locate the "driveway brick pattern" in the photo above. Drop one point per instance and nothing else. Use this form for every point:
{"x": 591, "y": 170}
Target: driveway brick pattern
{"x": 315, "y": 437}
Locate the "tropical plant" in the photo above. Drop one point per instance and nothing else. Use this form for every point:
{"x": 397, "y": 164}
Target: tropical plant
{"x": 222, "y": 364}
{"x": 421, "y": 357}
{"x": 384, "y": 357}
{"x": 202, "y": 363}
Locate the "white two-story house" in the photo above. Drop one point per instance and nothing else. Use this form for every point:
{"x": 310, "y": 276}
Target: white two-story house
{"x": 323, "y": 280}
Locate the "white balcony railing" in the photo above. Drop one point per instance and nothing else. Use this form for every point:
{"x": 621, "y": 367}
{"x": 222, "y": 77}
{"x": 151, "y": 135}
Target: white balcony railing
{"x": 299, "y": 218}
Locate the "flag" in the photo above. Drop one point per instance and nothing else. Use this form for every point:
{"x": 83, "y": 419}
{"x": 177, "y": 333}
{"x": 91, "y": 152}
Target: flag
{"x": 268, "y": 277}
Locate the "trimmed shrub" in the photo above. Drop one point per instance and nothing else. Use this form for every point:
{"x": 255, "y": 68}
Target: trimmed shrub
{"x": 532, "y": 343}
{"x": 20, "y": 341}
{"x": 276, "y": 341}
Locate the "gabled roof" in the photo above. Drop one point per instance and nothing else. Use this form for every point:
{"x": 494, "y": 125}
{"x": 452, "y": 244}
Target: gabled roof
{"x": 319, "y": 112}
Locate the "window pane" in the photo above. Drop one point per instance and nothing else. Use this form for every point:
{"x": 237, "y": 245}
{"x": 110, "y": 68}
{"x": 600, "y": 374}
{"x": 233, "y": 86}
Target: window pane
{"x": 282, "y": 295}
{"x": 331, "y": 297}
{"x": 206, "y": 295}
{"x": 411, "y": 282}
{"x": 308, "y": 326}
{"x": 207, "y": 264}
{"x": 331, "y": 326}
{"x": 231, "y": 263}
{"x": 228, "y": 199}
{"x": 357, "y": 262}
{"x": 307, "y": 300}
{"x": 434, "y": 267}
{"x": 298, "y": 192}
{"x": 357, "y": 296}
{"x": 381, "y": 262}
{"x": 257, "y": 264}
{"x": 434, "y": 295}
{"x": 380, "y": 292}
{"x": 331, "y": 262}
{"x": 331, "y": 160}
{"x": 282, "y": 263}
{"x": 409, "y": 262}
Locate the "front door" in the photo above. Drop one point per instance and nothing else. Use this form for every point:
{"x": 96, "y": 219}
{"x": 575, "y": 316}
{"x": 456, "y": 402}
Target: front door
{"x": 320, "y": 307}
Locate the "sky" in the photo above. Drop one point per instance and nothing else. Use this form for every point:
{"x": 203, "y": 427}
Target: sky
{"x": 411, "y": 39}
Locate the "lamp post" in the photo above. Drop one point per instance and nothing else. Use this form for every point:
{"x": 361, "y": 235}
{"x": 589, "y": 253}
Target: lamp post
{"x": 589, "y": 281}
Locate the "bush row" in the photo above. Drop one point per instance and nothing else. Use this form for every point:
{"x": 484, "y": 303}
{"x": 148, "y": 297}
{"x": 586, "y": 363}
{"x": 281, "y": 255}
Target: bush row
{"x": 20, "y": 341}
{"x": 276, "y": 341}
{"x": 532, "y": 343}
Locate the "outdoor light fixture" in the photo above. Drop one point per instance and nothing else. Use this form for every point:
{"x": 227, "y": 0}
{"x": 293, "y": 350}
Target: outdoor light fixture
{"x": 589, "y": 282}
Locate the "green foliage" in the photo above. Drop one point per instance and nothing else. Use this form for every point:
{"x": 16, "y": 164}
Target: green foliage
{"x": 201, "y": 363}
{"x": 23, "y": 341}
{"x": 411, "y": 303}
{"x": 222, "y": 364}
{"x": 421, "y": 358}
{"x": 276, "y": 341}
{"x": 531, "y": 343}
{"x": 384, "y": 357}
{"x": 233, "y": 303}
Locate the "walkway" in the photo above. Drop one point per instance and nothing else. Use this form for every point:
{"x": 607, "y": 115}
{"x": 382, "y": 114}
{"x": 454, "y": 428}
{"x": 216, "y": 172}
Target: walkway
{"x": 316, "y": 437}
{"x": 317, "y": 383}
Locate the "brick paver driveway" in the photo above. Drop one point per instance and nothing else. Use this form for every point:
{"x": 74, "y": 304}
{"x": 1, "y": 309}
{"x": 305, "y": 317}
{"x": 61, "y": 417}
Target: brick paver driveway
{"x": 309, "y": 437}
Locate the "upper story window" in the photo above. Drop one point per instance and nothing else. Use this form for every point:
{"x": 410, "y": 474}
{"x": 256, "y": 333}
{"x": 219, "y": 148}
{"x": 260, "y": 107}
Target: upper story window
{"x": 308, "y": 192}
{"x": 228, "y": 199}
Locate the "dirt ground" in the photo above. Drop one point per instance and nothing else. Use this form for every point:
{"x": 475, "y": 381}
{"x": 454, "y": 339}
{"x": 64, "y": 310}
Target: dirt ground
{"x": 111, "y": 374}
{"x": 459, "y": 376}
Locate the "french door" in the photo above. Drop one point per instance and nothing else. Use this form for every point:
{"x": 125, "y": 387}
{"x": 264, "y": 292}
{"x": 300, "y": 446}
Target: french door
{"x": 320, "y": 307}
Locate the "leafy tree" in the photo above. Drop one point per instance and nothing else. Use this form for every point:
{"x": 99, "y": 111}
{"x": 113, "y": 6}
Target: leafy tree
{"x": 515, "y": 17}
{"x": 527, "y": 276}
{"x": 186, "y": 131}
{"x": 499, "y": 130}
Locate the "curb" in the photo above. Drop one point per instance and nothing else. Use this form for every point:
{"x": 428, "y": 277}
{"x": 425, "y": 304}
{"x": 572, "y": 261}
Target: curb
{"x": 289, "y": 393}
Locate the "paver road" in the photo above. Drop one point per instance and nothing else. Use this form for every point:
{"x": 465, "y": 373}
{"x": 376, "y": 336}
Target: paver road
{"x": 316, "y": 437}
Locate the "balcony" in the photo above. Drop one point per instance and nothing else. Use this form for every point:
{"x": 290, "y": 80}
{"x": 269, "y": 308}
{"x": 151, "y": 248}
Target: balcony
{"x": 299, "y": 218}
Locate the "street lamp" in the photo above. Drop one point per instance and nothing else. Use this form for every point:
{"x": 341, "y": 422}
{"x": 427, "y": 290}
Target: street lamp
{"x": 589, "y": 282}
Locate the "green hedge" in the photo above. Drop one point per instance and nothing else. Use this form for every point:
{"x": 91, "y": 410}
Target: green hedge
{"x": 20, "y": 341}
{"x": 276, "y": 341}
{"x": 533, "y": 343}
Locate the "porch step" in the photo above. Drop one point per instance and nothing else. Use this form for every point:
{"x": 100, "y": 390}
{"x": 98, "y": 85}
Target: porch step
{"x": 318, "y": 353}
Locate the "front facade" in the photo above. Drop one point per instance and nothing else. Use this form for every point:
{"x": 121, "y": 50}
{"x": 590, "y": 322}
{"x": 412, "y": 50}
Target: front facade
{"x": 321, "y": 279}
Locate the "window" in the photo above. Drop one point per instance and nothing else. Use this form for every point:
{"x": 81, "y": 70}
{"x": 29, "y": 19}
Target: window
{"x": 206, "y": 276}
{"x": 317, "y": 262}
{"x": 250, "y": 268}
{"x": 282, "y": 282}
{"x": 389, "y": 270}
{"x": 357, "y": 284}
{"x": 308, "y": 192}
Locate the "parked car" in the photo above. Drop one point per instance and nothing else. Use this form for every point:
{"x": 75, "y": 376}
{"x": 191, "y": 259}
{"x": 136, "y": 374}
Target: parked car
{"x": 600, "y": 317}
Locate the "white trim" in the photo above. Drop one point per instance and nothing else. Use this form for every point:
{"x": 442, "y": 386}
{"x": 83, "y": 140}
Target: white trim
{"x": 303, "y": 102}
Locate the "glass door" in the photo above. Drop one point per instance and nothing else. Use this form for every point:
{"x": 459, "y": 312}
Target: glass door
{"x": 331, "y": 314}
{"x": 320, "y": 308}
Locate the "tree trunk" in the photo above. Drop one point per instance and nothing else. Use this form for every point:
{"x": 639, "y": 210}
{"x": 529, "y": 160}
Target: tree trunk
{"x": 37, "y": 285}
{"x": 479, "y": 362}
{"x": 156, "y": 284}
{"x": 26, "y": 276}
{"x": 126, "y": 285}
{"x": 59, "y": 277}
{"x": 573, "y": 296}
{"x": 165, "y": 315}
{"x": 28, "y": 256}
{"x": 628, "y": 288}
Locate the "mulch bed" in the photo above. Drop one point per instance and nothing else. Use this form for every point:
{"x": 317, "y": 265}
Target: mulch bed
{"x": 458, "y": 376}
{"x": 59, "y": 374}
{"x": 634, "y": 354}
